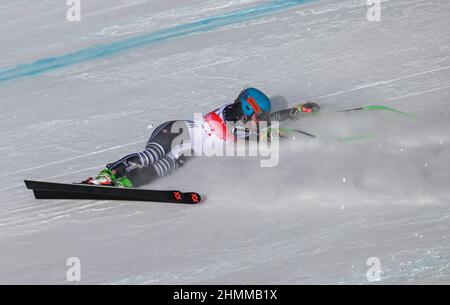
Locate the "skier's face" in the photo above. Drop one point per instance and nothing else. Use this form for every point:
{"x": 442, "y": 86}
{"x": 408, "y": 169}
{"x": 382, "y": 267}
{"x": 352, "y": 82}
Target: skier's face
{"x": 254, "y": 120}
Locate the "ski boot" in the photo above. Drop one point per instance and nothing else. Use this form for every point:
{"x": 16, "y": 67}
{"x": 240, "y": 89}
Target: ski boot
{"x": 107, "y": 178}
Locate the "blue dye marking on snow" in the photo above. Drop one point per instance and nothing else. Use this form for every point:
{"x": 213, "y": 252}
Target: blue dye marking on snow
{"x": 99, "y": 51}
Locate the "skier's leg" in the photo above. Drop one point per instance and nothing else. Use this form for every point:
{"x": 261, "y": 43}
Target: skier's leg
{"x": 163, "y": 167}
{"x": 136, "y": 161}
{"x": 160, "y": 157}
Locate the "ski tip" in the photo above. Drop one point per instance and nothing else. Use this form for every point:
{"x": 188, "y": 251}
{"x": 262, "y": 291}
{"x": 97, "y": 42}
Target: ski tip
{"x": 202, "y": 198}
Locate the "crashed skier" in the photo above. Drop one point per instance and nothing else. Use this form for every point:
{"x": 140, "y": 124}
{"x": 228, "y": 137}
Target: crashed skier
{"x": 160, "y": 157}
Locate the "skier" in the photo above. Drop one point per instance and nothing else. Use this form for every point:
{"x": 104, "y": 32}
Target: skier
{"x": 160, "y": 157}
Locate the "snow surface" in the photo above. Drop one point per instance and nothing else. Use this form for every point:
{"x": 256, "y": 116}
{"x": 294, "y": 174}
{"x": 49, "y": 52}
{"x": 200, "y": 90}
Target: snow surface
{"x": 315, "y": 218}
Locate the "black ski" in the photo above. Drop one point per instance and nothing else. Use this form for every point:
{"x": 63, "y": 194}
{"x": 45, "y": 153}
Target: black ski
{"x": 51, "y": 190}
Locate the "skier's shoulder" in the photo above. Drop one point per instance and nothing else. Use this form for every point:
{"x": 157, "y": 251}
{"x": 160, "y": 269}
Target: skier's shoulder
{"x": 226, "y": 107}
{"x": 223, "y": 112}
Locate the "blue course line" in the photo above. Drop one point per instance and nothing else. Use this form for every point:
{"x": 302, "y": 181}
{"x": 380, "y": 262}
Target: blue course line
{"x": 99, "y": 51}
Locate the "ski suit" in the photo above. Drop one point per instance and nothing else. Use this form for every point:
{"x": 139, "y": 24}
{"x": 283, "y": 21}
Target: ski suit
{"x": 160, "y": 157}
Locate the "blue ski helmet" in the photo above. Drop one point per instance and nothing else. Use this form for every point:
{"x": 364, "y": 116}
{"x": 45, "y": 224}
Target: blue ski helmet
{"x": 254, "y": 101}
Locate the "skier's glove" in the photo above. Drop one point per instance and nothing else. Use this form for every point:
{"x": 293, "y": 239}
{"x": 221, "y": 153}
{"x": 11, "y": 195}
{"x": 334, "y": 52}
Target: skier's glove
{"x": 304, "y": 108}
{"x": 309, "y": 107}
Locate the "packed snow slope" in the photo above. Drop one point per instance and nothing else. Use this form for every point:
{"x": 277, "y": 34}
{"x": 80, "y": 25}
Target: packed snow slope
{"x": 76, "y": 95}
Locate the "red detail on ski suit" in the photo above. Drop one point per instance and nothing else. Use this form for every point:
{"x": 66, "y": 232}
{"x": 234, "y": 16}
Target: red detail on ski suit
{"x": 218, "y": 126}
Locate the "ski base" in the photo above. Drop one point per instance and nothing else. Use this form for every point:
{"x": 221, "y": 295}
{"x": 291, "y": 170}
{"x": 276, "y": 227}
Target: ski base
{"x": 52, "y": 190}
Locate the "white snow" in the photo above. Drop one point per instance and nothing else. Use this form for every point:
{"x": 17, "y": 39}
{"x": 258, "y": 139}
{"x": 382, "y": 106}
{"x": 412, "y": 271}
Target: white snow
{"x": 317, "y": 217}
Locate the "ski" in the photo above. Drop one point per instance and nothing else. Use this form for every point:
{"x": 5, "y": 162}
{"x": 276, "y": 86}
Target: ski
{"x": 52, "y": 190}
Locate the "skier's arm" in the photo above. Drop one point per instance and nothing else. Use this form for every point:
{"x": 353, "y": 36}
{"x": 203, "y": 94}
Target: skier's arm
{"x": 283, "y": 115}
{"x": 240, "y": 132}
{"x": 293, "y": 113}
